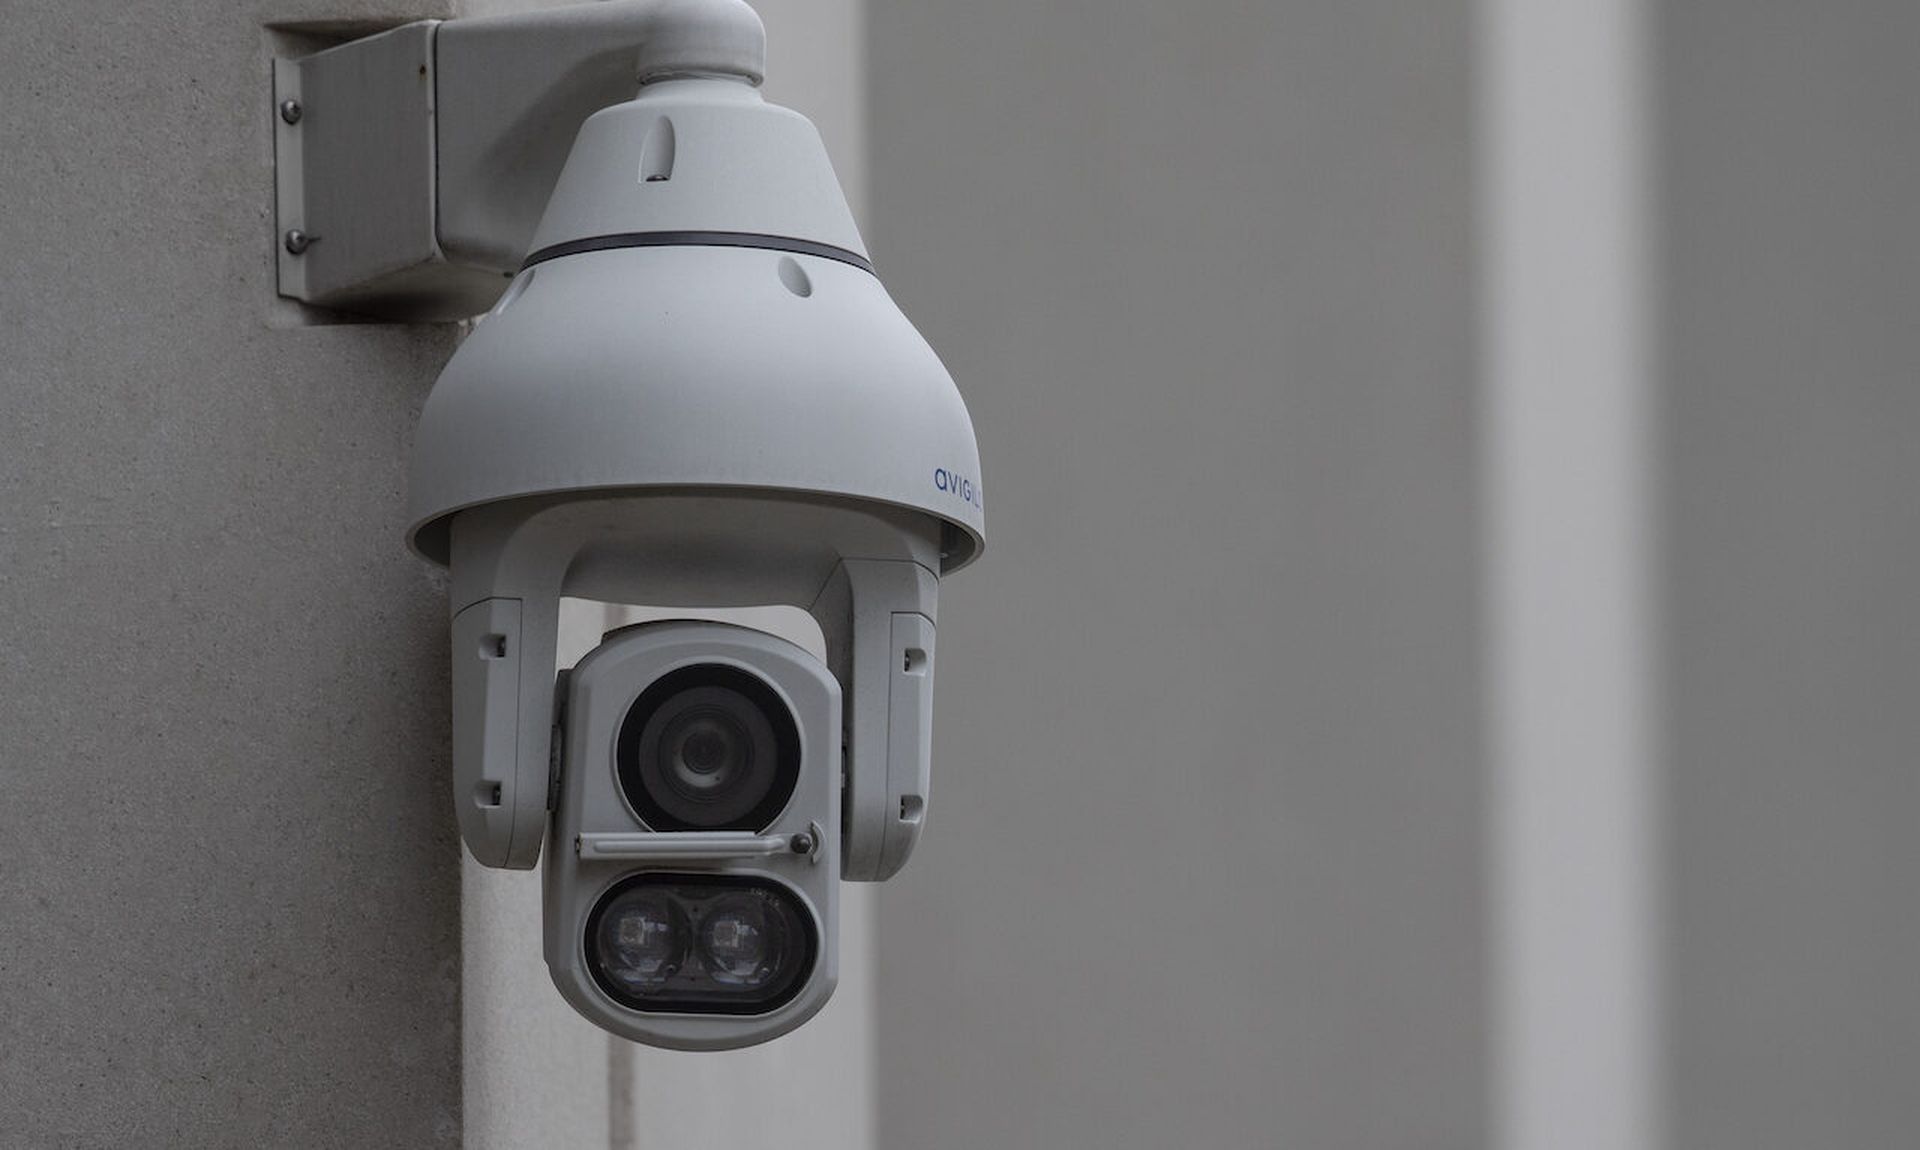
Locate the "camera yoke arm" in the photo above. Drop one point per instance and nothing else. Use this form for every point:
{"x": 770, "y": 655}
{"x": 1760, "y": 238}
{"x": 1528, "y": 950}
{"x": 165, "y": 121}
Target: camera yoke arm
{"x": 867, "y": 578}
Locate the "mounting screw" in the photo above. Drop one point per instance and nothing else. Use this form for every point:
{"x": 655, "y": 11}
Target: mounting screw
{"x": 801, "y": 844}
{"x": 290, "y": 111}
{"x": 298, "y": 241}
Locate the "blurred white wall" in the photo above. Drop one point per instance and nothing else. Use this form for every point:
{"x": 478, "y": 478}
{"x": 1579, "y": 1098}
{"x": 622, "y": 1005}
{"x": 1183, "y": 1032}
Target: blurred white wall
{"x": 1570, "y": 495}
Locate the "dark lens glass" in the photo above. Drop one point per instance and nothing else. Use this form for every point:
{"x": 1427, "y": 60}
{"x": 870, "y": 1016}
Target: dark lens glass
{"x": 640, "y": 939}
{"x": 708, "y": 748}
{"x": 752, "y": 944}
{"x": 741, "y": 939}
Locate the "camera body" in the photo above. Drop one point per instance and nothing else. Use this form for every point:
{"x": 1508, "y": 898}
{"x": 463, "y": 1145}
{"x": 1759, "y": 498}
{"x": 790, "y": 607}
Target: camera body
{"x": 691, "y": 392}
{"x": 849, "y": 738}
{"x": 693, "y": 865}
{"x": 694, "y": 393}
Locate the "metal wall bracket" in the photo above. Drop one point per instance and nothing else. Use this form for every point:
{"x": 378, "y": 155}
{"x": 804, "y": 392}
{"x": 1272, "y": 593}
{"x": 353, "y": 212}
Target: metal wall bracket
{"x": 412, "y": 166}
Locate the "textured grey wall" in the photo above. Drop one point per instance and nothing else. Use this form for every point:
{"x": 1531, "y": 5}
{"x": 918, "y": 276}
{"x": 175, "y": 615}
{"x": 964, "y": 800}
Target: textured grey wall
{"x": 1204, "y": 853}
{"x": 1792, "y": 171}
{"x": 229, "y": 885}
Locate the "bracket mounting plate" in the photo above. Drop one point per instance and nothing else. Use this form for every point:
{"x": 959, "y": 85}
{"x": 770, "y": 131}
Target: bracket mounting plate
{"x": 416, "y": 163}
{"x": 355, "y": 178}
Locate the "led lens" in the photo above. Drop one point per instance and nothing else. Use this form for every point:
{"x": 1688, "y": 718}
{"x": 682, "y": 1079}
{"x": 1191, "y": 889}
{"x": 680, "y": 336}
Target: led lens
{"x": 737, "y": 943}
{"x": 700, "y": 944}
{"x": 641, "y": 940}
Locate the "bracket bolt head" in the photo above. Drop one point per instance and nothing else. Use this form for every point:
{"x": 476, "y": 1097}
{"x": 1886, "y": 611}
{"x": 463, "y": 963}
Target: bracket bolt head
{"x": 297, "y": 241}
{"x": 801, "y": 844}
{"x": 290, "y": 111}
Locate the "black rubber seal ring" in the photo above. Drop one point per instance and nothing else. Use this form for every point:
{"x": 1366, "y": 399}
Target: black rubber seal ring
{"x": 698, "y": 239}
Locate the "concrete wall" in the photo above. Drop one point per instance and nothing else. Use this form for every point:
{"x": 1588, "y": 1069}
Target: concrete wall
{"x": 230, "y": 882}
{"x": 1792, "y": 425}
{"x": 1203, "y": 860}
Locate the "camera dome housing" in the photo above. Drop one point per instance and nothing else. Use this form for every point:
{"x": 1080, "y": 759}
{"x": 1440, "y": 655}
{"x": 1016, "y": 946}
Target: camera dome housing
{"x": 697, "y": 313}
{"x": 695, "y": 392}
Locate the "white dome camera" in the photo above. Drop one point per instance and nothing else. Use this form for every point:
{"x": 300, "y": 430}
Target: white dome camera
{"x": 693, "y": 393}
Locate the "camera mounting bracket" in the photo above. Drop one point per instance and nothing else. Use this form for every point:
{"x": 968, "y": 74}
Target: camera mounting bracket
{"x": 865, "y": 573}
{"x": 412, "y": 166}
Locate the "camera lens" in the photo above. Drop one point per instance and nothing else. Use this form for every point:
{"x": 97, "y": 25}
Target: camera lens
{"x": 738, "y": 944}
{"x": 708, "y": 748}
{"x": 640, "y": 939}
{"x": 700, "y": 944}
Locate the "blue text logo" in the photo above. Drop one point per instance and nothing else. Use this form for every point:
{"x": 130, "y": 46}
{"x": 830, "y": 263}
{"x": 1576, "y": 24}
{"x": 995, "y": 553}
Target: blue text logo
{"x": 954, "y": 483}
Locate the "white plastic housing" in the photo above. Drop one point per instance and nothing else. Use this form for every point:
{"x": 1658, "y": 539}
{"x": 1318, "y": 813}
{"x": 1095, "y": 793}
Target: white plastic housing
{"x": 696, "y": 395}
{"x": 696, "y": 367}
{"x": 697, "y": 364}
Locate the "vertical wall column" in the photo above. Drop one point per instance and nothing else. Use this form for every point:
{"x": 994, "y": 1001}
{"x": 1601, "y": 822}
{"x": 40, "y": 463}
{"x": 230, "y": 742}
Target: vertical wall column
{"x": 1570, "y": 494}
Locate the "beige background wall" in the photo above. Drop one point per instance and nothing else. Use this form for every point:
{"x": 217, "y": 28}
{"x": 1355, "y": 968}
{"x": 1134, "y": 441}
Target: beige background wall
{"x": 1792, "y": 270}
{"x": 1202, "y": 865}
{"x": 1204, "y": 861}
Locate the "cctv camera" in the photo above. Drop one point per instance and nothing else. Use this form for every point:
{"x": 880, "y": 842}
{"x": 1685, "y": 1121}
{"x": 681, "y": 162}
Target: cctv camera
{"x": 693, "y": 392}
{"x": 693, "y": 863}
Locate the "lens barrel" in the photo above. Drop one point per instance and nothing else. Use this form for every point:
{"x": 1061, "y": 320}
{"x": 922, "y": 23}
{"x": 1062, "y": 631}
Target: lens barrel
{"x": 700, "y": 944}
{"x": 710, "y": 747}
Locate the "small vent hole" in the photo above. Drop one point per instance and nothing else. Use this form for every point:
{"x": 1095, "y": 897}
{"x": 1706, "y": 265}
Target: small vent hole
{"x": 493, "y": 646}
{"x": 487, "y": 794}
{"x": 795, "y": 277}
